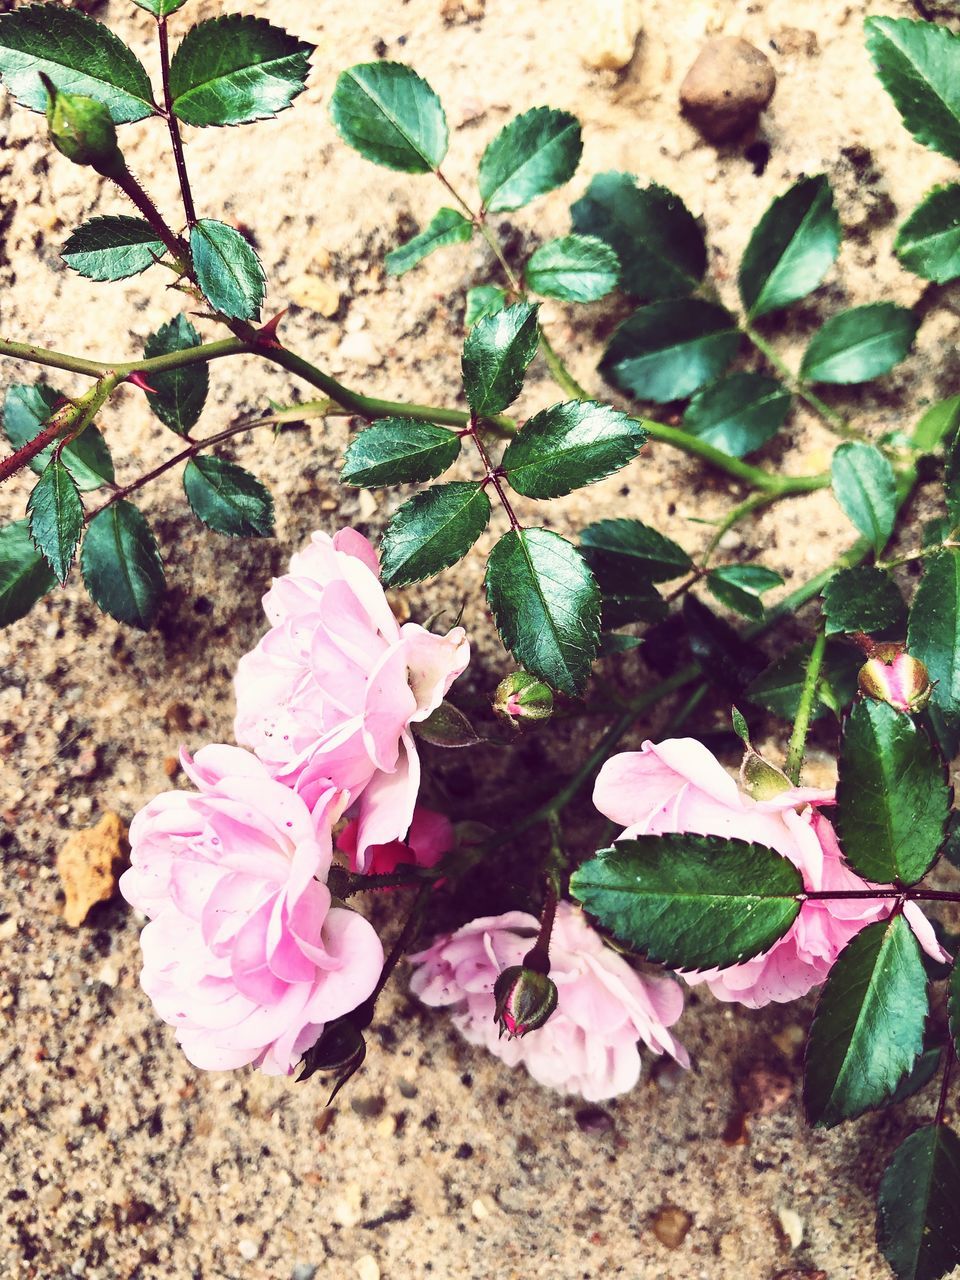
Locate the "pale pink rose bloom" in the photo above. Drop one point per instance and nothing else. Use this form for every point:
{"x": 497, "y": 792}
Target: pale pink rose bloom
{"x": 243, "y": 953}
{"x": 679, "y": 786}
{"x": 330, "y": 692}
{"x": 589, "y": 1044}
{"x": 429, "y": 838}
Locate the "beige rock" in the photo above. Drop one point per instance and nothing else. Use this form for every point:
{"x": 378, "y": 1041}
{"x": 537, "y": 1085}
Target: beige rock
{"x": 87, "y": 865}
{"x": 670, "y": 1225}
{"x": 609, "y": 31}
{"x": 316, "y": 294}
{"x": 727, "y": 87}
{"x": 367, "y": 1267}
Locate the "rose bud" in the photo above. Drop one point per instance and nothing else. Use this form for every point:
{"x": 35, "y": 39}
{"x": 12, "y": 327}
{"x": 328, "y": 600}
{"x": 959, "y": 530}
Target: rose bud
{"x": 340, "y": 1050}
{"x": 524, "y": 998}
{"x": 82, "y": 129}
{"x": 893, "y": 676}
{"x": 521, "y": 697}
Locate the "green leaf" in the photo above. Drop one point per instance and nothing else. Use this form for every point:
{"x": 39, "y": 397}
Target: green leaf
{"x": 448, "y": 727}
{"x": 26, "y": 410}
{"x": 546, "y": 605}
{"x": 433, "y": 530}
{"x": 483, "y": 300}
{"x": 778, "y": 688}
{"x": 868, "y": 1026}
{"x": 78, "y": 54}
{"x": 953, "y": 983}
{"x": 121, "y": 565}
{"x": 613, "y": 643}
{"x": 392, "y": 117}
{"x": 933, "y": 634}
{"x": 791, "y": 249}
{"x": 937, "y": 423}
{"x": 866, "y": 489}
{"x": 56, "y": 517}
{"x": 918, "y": 63}
{"x": 112, "y": 248}
{"x": 530, "y": 156}
{"x": 25, "y": 575}
{"x": 863, "y": 599}
{"x": 670, "y": 349}
{"x": 859, "y": 344}
{"x": 568, "y": 446}
{"x": 573, "y": 268}
{"x": 625, "y": 550}
{"x": 638, "y": 601}
{"x": 740, "y": 586}
{"x": 236, "y": 69}
{"x": 161, "y": 8}
{"x": 228, "y": 499}
{"x": 738, "y": 414}
{"x": 690, "y": 901}
{"x": 918, "y": 1229}
{"x": 658, "y": 241}
{"x": 928, "y": 243}
{"x": 892, "y": 797}
{"x": 951, "y": 482}
{"x": 228, "y": 270}
{"x": 445, "y": 227}
{"x": 495, "y": 357}
{"x": 180, "y": 393}
{"x": 950, "y": 849}
{"x": 399, "y": 451}
{"x": 725, "y": 657}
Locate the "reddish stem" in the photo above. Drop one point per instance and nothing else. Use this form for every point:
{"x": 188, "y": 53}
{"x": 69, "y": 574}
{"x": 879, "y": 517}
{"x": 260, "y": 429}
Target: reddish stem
{"x": 173, "y": 124}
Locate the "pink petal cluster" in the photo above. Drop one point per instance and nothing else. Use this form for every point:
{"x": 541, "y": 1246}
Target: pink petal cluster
{"x": 429, "y": 838}
{"x": 604, "y": 1007}
{"x": 679, "y": 786}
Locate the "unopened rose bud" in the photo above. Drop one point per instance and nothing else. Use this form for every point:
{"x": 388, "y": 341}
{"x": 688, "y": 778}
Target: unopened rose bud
{"x": 893, "y": 676}
{"x": 82, "y": 129}
{"x": 524, "y": 998}
{"x": 522, "y": 697}
{"x": 341, "y": 1049}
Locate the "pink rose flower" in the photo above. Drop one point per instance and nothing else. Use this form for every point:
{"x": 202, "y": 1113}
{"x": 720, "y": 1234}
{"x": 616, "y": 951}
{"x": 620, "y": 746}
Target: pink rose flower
{"x": 679, "y": 786}
{"x": 429, "y": 838}
{"x": 330, "y": 692}
{"x": 604, "y": 1007}
{"x": 243, "y": 952}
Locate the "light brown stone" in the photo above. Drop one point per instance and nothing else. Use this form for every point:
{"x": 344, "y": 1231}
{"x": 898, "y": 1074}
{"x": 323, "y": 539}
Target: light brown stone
{"x": 87, "y": 864}
{"x": 727, "y": 87}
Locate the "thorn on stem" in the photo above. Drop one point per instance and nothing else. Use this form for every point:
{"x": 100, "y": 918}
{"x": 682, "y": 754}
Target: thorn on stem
{"x": 138, "y": 380}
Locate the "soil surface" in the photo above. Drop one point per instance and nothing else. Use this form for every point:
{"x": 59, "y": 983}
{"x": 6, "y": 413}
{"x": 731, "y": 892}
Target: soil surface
{"x": 119, "y": 1159}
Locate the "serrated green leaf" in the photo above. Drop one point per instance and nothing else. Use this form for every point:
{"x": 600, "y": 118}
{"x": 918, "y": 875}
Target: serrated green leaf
{"x": 670, "y": 349}
{"x": 928, "y": 243}
{"x": 530, "y": 156}
{"x": 496, "y": 354}
{"x": 866, "y": 489}
{"x": 391, "y": 116}
{"x": 26, "y": 410}
{"x": 236, "y": 69}
{"x": 690, "y": 901}
{"x": 863, "y": 599}
{"x": 228, "y": 270}
{"x": 859, "y": 344}
{"x": 951, "y": 482}
{"x": 918, "y": 63}
{"x": 121, "y": 565}
{"x": 658, "y": 241}
{"x": 483, "y": 300}
{"x": 740, "y": 586}
{"x": 447, "y": 727}
{"x": 112, "y": 248}
{"x": 78, "y": 54}
{"x": 791, "y": 249}
{"x": 738, "y": 414}
{"x": 180, "y": 393}
{"x": 778, "y": 688}
{"x": 892, "y": 797}
{"x": 622, "y": 551}
{"x": 228, "y": 499}
{"x": 918, "y": 1229}
{"x": 433, "y": 530}
{"x": 25, "y": 575}
{"x": 638, "y": 601}
{"x": 56, "y": 517}
{"x": 445, "y": 227}
{"x": 399, "y": 451}
{"x": 546, "y": 605}
{"x": 933, "y": 634}
{"x": 573, "y": 268}
{"x": 613, "y": 643}
{"x": 938, "y": 423}
{"x": 161, "y": 8}
{"x": 568, "y": 446}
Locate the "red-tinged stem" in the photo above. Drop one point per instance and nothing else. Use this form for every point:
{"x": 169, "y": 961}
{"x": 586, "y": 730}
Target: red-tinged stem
{"x": 173, "y": 124}
{"x": 53, "y": 430}
{"x": 492, "y": 476}
{"x": 909, "y": 895}
{"x": 538, "y": 957}
{"x": 132, "y": 189}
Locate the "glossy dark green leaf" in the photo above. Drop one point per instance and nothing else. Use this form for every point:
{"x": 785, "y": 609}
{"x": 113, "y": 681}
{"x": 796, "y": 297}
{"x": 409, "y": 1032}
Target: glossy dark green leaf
{"x": 953, "y": 983}
{"x": 546, "y": 605}
{"x": 859, "y": 344}
{"x": 391, "y": 116}
{"x": 623, "y": 550}
{"x": 950, "y": 849}
{"x": 112, "y": 248}
{"x": 56, "y": 517}
{"x": 933, "y": 635}
{"x": 951, "y": 482}
{"x": 78, "y": 54}
{"x": 573, "y": 268}
{"x": 918, "y": 1228}
{"x": 399, "y": 451}
{"x": 447, "y": 226}
{"x": 670, "y": 349}
{"x": 180, "y": 393}
{"x": 791, "y": 249}
{"x": 613, "y": 643}
{"x": 740, "y": 587}
{"x": 27, "y": 408}
{"x": 928, "y": 243}
{"x": 530, "y": 156}
{"x": 25, "y": 575}
{"x": 690, "y": 901}
{"x": 483, "y": 300}
{"x": 496, "y": 354}
{"x": 866, "y": 489}
{"x": 446, "y": 726}
{"x": 236, "y": 69}
{"x": 161, "y": 8}
{"x": 228, "y": 499}
{"x": 121, "y": 565}
{"x": 568, "y": 446}
{"x": 638, "y": 601}
{"x": 938, "y": 423}
{"x": 725, "y": 657}
{"x": 863, "y": 599}
{"x": 228, "y": 270}
{"x": 918, "y": 64}
{"x": 892, "y": 797}
{"x": 738, "y": 414}
{"x": 779, "y": 686}
{"x": 433, "y": 530}
{"x": 658, "y": 241}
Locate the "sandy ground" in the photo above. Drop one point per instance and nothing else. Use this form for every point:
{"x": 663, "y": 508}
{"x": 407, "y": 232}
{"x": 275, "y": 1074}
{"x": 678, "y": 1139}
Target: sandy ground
{"x": 121, "y": 1161}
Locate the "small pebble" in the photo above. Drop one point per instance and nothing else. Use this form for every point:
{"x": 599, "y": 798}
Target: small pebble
{"x": 764, "y": 1088}
{"x": 304, "y": 1271}
{"x": 247, "y": 1249}
{"x": 482, "y": 1208}
{"x": 609, "y": 33}
{"x": 594, "y": 1120}
{"x": 670, "y": 1225}
{"x": 791, "y": 1224}
{"x": 367, "y": 1267}
{"x": 727, "y": 87}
